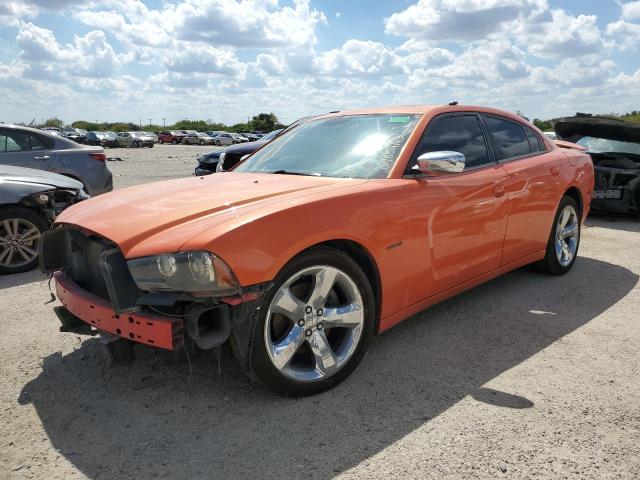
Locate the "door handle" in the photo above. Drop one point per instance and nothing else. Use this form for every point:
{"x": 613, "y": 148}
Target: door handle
{"x": 42, "y": 157}
{"x": 555, "y": 171}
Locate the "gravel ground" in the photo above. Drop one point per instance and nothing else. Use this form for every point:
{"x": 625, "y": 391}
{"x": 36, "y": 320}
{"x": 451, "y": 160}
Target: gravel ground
{"x": 527, "y": 376}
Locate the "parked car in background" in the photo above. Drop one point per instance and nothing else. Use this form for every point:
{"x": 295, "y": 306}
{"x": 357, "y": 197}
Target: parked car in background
{"x": 78, "y": 135}
{"x": 30, "y": 200}
{"x": 152, "y": 135}
{"x": 205, "y": 139}
{"x": 170, "y": 136}
{"x": 102, "y": 139}
{"x": 207, "y": 162}
{"x": 142, "y": 139}
{"x": 190, "y": 137}
{"x": 252, "y": 137}
{"x": 223, "y": 138}
{"x": 551, "y": 135}
{"x": 237, "y": 138}
{"x": 125, "y": 139}
{"x": 52, "y": 130}
{"x": 231, "y": 156}
{"x": 32, "y": 148}
{"x": 614, "y": 146}
{"x": 335, "y": 231}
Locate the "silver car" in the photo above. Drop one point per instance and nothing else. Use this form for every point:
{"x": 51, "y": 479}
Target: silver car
{"x": 33, "y": 148}
{"x": 223, "y": 139}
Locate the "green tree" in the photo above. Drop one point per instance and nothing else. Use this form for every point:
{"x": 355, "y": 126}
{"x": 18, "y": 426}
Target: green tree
{"x": 53, "y": 122}
{"x": 543, "y": 125}
{"x": 264, "y": 122}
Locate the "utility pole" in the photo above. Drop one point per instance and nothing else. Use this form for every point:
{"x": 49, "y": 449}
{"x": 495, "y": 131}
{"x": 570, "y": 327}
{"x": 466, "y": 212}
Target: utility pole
{"x": 163, "y": 124}
{"x": 149, "y": 123}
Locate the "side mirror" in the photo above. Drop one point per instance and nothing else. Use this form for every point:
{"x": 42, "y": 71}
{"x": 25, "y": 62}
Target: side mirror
{"x": 440, "y": 163}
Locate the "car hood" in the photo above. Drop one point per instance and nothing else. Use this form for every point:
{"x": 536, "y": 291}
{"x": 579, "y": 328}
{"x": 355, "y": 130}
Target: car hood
{"x": 574, "y": 128}
{"x": 31, "y": 175}
{"x": 161, "y": 217}
{"x": 246, "y": 147}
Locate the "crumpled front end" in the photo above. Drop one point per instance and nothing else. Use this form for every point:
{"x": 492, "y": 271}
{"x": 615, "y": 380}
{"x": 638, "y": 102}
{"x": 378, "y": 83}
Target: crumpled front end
{"x": 99, "y": 295}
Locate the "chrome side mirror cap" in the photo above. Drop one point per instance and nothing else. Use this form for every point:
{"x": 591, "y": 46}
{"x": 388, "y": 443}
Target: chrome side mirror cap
{"x": 440, "y": 163}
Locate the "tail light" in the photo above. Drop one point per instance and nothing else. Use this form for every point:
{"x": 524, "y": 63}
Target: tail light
{"x": 101, "y": 157}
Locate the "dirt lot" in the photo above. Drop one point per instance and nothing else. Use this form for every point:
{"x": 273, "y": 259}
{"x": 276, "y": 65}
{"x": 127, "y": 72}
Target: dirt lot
{"x": 524, "y": 377}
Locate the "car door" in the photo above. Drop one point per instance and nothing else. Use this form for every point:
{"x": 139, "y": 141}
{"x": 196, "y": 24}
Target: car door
{"x": 26, "y": 149}
{"x": 459, "y": 219}
{"x": 532, "y": 185}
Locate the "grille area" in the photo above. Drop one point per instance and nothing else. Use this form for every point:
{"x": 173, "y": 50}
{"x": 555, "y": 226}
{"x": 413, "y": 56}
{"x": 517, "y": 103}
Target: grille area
{"x": 82, "y": 264}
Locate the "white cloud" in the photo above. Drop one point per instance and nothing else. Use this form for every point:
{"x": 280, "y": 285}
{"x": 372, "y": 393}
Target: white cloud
{"x": 631, "y": 11}
{"x": 562, "y": 37}
{"x": 358, "y": 58}
{"x": 203, "y": 59}
{"x": 458, "y": 20}
{"x": 88, "y": 56}
{"x": 249, "y": 23}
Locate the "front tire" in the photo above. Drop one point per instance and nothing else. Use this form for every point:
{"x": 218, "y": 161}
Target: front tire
{"x": 315, "y": 324}
{"x": 20, "y": 233}
{"x": 564, "y": 240}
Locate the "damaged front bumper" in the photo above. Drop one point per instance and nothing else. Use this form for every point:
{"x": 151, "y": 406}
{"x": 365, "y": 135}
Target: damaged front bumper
{"x": 92, "y": 311}
{"x": 106, "y": 300}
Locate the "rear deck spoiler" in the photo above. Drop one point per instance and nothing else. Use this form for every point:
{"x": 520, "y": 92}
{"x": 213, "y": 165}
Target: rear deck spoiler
{"x": 574, "y": 146}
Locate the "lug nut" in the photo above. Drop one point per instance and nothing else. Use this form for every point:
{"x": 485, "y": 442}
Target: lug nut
{"x": 320, "y": 326}
{"x": 320, "y": 312}
{"x": 308, "y": 333}
{"x": 308, "y": 309}
{"x": 301, "y": 323}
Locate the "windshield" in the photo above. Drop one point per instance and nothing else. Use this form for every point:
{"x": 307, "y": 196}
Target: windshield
{"x": 604, "y": 145}
{"x": 356, "y": 146}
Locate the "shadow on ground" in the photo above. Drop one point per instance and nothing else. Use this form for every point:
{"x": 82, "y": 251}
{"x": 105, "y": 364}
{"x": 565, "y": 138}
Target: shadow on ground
{"x": 17, "y": 279}
{"x": 614, "y": 221}
{"x": 140, "y": 422}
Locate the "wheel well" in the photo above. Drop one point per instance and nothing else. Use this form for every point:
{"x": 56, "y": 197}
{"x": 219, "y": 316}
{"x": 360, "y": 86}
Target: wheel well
{"x": 574, "y": 193}
{"x": 365, "y": 261}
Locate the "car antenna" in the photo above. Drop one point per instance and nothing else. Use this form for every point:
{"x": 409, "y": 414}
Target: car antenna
{"x": 453, "y": 103}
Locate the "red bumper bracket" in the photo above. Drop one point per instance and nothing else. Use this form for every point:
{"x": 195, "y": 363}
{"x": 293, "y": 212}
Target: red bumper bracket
{"x": 155, "y": 330}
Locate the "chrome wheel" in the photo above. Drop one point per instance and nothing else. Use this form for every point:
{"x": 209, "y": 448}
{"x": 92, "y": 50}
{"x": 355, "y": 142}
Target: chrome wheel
{"x": 567, "y": 235}
{"x": 19, "y": 240}
{"x": 314, "y": 323}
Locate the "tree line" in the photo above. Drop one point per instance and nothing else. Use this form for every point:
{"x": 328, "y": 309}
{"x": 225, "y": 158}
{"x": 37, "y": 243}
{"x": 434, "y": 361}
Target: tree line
{"x": 263, "y": 122}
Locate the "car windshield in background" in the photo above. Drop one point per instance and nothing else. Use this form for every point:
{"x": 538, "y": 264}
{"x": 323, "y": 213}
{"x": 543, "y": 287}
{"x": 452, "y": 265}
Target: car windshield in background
{"x": 355, "y": 146}
{"x": 604, "y": 145}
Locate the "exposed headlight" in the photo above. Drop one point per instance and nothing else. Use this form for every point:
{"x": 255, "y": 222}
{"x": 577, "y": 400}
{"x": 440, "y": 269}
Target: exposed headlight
{"x": 220, "y": 166}
{"x": 198, "y": 273}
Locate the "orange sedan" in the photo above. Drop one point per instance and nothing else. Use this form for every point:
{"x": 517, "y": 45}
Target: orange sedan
{"x": 334, "y": 231}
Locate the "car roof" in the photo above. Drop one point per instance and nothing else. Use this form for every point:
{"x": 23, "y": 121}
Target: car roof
{"x": 422, "y": 110}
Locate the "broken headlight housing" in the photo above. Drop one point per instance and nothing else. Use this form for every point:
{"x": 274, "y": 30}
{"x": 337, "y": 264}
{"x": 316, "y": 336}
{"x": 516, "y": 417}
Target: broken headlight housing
{"x": 198, "y": 273}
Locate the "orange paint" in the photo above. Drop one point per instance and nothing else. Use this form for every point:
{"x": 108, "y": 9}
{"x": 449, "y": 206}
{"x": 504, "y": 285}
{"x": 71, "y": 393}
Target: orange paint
{"x": 429, "y": 238}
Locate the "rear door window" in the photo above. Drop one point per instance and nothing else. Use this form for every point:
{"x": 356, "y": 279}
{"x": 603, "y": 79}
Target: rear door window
{"x": 509, "y": 138}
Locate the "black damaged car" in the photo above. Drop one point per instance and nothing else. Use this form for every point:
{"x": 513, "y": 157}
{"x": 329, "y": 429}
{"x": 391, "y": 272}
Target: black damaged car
{"x": 30, "y": 200}
{"x": 614, "y": 146}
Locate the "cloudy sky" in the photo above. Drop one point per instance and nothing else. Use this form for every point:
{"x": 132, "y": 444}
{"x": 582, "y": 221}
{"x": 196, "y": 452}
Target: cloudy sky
{"x": 226, "y": 60}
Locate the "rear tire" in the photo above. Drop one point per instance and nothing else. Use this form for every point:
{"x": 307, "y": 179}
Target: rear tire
{"x": 564, "y": 239}
{"x": 30, "y": 227}
{"x": 322, "y": 348}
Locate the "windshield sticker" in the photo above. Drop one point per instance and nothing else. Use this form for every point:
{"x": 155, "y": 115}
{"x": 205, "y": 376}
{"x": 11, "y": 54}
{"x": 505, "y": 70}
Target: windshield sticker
{"x": 399, "y": 119}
